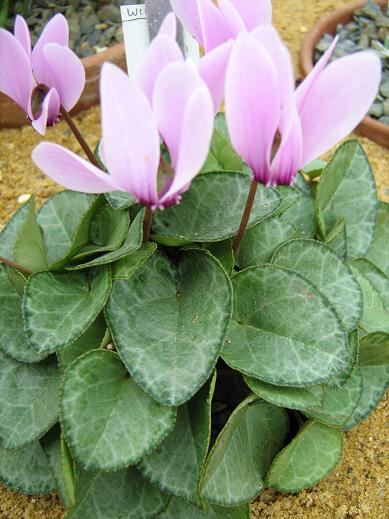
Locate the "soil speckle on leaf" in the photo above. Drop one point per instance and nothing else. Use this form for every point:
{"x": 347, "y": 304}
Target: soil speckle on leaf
{"x": 357, "y": 487}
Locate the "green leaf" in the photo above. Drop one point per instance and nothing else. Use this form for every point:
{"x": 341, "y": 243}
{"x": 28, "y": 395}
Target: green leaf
{"x": 222, "y": 155}
{"x": 342, "y": 378}
{"x": 109, "y": 423}
{"x": 289, "y": 397}
{"x": 123, "y": 494}
{"x": 347, "y": 190}
{"x": 337, "y": 239}
{"x": 107, "y": 231}
{"x": 176, "y": 465}
{"x": 374, "y": 350}
{"x": 283, "y": 330}
{"x": 260, "y": 241}
{"x": 375, "y": 377}
{"x": 27, "y": 470}
{"x": 120, "y": 199}
{"x": 312, "y": 454}
{"x": 378, "y": 252}
{"x": 132, "y": 242}
{"x": 298, "y": 211}
{"x": 168, "y": 323}
{"x": 375, "y": 316}
{"x": 326, "y": 270}
{"x": 17, "y": 279}
{"x": 65, "y": 220}
{"x": 239, "y": 460}
{"x": 59, "y": 308}
{"x": 376, "y": 278}
{"x": 315, "y": 168}
{"x": 28, "y": 400}
{"x": 338, "y": 404}
{"x": 222, "y": 250}
{"x": 11, "y": 231}
{"x": 180, "y": 509}
{"x": 68, "y": 476}
{"x": 212, "y": 209}
{"x": 29, "y": 246}
{"x": 126, "y": 267}
{"x": 13, "y": 338}
{"x": 91, "y": 339}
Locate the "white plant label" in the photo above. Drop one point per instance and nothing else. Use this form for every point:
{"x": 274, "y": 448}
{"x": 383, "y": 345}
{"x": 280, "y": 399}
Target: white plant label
{"x": 136, "y": 36}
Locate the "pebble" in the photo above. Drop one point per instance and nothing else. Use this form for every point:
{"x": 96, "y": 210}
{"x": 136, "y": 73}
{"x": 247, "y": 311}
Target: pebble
{"x": 25, "y": 197}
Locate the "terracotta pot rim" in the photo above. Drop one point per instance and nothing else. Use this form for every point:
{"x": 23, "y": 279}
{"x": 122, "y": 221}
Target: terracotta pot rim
{"x": 369, "y": 127}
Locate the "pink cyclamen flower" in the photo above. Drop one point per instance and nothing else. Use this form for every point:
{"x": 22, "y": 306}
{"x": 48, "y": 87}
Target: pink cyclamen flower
{"x": 51, "y": 74}
{"x": 181, "y": 114}
{"x": 276, "y": 129}
{"x": 164, "y": 50}
{"x": 212, "y": 25}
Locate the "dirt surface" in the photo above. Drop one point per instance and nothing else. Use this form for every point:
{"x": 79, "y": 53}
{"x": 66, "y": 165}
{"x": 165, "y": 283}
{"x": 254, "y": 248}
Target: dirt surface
{"x": 357, "y": 487}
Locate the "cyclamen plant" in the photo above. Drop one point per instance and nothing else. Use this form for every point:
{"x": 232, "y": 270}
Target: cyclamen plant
{"x": 206, "y": 311}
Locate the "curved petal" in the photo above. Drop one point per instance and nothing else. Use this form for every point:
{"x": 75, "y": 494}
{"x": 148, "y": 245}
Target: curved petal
{"x": 232, "y": 18}
{"x": 213, "y": 68}
{"x": 56, "y": 31}
{"x": 70, "y": 170}
{"x": 169, "y": 26}
{"x": 337, "y": 102}
{"x": 16, "y": 79}
{"x": 253, "y": 104}
{"x": 162, "y": 51}
{"x": 214, "y": 27}
{"x": 49, "y": 113}
{"x": 188, "y": 14}
{"x": 254, "y": 12}
{"x": 130, "y": 133}
{"x": 22, "y": 34}
{"x": 303, "y": 90}
{"x": 196, "y": 135}
{"x": 67, "y": 73}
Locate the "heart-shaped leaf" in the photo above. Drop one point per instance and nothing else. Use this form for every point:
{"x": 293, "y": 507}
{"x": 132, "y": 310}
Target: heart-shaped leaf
{"x": 109, "y": 423}
{"x": 212, "y": 209}
{"x": 65, "y": 220}
{"x": 378, "y": 252}
{"x": 177, "y": 463}
{"x": 123, "y": 494}
{"x": 126, "y": 267}
{"x": 347, "y": 190}
{"x": 27, "y": 470}
{"x": 298, "y": 209}
{"x": 58, "y": 308}
{"x": 313, "y": 453}
{"x": 180, "y": 509}
{"x": 290, "y": 397}
{"x": 239, "y": 460}
{"x": 11, "y": 231}
{"x": 337, "y": 239}
{"x": 376, "y": 277}
{"x": 341, "y": 379}
{"x": 283, "y": 330}
{"x": 28, "y": 400}
{"x": 325, "y": 269}
{"x": 168, "y": 323}
{"x": 13, "y": 339}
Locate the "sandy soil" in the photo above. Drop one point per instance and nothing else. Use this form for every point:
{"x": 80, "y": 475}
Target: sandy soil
{"x": 356, "y": 489}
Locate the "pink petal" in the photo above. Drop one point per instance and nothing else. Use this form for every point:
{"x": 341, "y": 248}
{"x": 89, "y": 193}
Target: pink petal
{"x": 49, "y": 112}
{"x": 16, "y": 79}
{"x": 253, "y": 103}
{"x": 215, "y": 28}
{"x": 337, "y": 102}
{"x": 162, "y": 51}
{"x": 196, "y": 128}
{"x": 232, "y": 18}
{"x": 254, "y": 12}
{"x": 305, "y": 87}
{"x": 130, "y": 133}
{"x": 70, "y": 170}
{"x": 187, "y": 12}
{"x": 22, "y": 34}
{"x": 213, "y": 68}
{"x": 67, "y": 73}
{"x": 169, "y": 26}
{"x": 56, "y": 31}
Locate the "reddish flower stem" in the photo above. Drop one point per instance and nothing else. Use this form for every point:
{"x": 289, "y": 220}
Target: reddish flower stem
{"x": 15, "y": 265}
{"x": 246, "y": 215}
{"x": 76, "y": 132}
{"x": 147, "y": 224}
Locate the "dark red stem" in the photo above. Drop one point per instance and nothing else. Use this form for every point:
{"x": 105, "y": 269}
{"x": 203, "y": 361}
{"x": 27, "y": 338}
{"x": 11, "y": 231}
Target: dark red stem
{"x": 246, "y": 215}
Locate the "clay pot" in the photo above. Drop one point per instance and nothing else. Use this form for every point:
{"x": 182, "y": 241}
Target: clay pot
{"x": 369, "y": 127}
{"x": 11, "y": 116}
